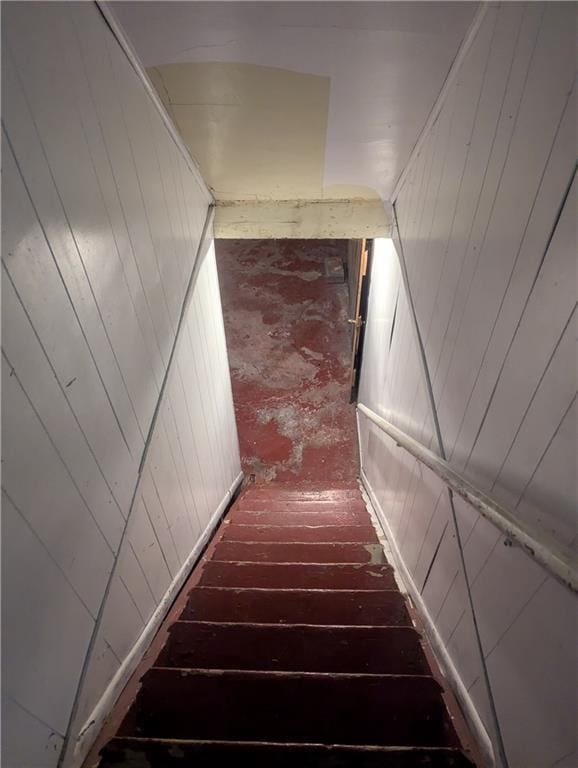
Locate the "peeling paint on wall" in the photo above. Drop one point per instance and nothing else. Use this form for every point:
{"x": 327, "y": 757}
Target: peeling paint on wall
{"x": 256, "y": 132}
{"x": 259, "y": 137}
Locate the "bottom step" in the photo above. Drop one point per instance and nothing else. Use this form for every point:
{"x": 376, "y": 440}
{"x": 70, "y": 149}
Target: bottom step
{"x": 290, "y": 707}
{"x": 157, "y": 753}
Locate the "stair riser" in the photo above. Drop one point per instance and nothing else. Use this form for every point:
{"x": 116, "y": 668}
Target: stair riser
{"x": 270, "y": 607}
{"x": 299, "y": 553}
{"x": 300, "y": 649}
{"x": 134, "y": 753}
{"x": 388, "y": 711}
{"x": 335, "y": 496}
{"x": 280, "y": 505}
{"x": 301, "y": 492}
{"x": 272, "y": 576}
{"x": 362, "y": 534}
{"x": 335, "y": 517}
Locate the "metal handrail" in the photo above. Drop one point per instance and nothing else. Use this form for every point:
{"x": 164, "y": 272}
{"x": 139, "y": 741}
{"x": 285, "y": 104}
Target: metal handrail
{"x": 559, "y": 561}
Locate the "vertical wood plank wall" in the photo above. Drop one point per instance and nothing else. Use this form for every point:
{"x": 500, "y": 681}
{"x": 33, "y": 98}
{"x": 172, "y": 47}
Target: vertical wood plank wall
{"x": 102, "y": 217}
{"x": 487, "y": 220}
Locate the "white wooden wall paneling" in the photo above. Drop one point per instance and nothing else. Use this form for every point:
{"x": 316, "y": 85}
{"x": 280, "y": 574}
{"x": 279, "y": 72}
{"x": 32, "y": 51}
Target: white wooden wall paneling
{"x": 97, "y": 253}
{"x": 450, "y": 602}
{"x": 208, "y": 359}
{"x": 502, "y": 370}
{"x": 108, "y": 626}
{"x": 144, "y": 541}
{"x": 422, "y": 219}
{"x": 405, "y": 473}
{"x": 396, "y": 397}
{"x": 537, "y": 330}
{"x": 467, "y": 169}
{"x": 478, "y": 152}
{"x": 38, "y": 578}
{"x": 202, "y": 406}
{"x": 521, "y": 288}
{"x": 110, "y": 148}
{"x": 222, "y": 385}
{"x": 532, "y": 351}
{"x": 463, "y": 112}
{"x": 195, "y": 468}
{"x": 66, "y": 250}
{"x": 22, "y": 239}
{"x": 375, "y": 461}
{"x": 533, "y": 657}
{"x": 43, "y": 744}
{"x": 156, "y": 512}
{"x": 222, "y": 391}
{"x": 168, "y": 294}
{"x": 477, "y": 176}
{"x": 170, "y": 491}
{"x": 76, "y": 189}
{"x": 553, "y": 477}
{"x": 412, "y": 474}
{"x": 205, "y": 361}
{"x": 547, "y": 77}
{"x": 567, "y": 382}
{"x": 45, "y": 395}
{"x": 499, "y": 142}
{"x": 105, "y": 76}
{"x": 59, "y": 330}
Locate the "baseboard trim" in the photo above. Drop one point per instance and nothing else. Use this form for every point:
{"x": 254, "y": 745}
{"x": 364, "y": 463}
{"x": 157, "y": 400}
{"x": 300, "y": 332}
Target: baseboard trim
{"x": 437, "y": 645}
{"x": 89, "y": 732}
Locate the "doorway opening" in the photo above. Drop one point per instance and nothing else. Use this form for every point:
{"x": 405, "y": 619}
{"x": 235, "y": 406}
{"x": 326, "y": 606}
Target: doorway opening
{"x": 294, "y": 313}
{"x": 359, "y": 257}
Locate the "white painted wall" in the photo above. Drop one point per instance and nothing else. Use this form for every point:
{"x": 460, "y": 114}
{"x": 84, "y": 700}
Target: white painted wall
{"x": 102, "y": 219}
{"x": 487, "y": 222}
{"x": 386, "y": 62}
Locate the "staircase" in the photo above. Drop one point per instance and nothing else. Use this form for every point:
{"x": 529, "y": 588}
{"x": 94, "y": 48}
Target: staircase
{"x": 295, "y": 649}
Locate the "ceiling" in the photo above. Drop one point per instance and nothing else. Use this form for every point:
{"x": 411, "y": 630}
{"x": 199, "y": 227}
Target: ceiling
{"x": 300, "y": 100}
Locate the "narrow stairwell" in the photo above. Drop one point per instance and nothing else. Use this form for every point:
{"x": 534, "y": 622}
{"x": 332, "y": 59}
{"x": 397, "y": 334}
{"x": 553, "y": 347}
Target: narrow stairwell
{"x": 294, "y": 648}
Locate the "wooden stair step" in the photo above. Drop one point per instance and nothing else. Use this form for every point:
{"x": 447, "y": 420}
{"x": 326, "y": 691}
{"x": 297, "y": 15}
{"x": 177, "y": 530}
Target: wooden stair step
{"x": 335, "y": 516}
{"x": 336, "y": 495}
{"x": 158, "y": 753}
{"x": 280, "y": 505}
{"x": 384, "y": 650}
{"x": 274, "y": 606}
{"x": 294, "y": 707}
{"x": 363, "y": 534}
{"x": 298, "y": 553}
{"x": 297, "y": 575}
{"x": 294, "y": 648}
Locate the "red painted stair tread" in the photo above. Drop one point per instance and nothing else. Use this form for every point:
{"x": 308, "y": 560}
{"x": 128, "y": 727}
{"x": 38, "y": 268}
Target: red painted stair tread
{"x": 297, "y": 575}
{"x": 294, "y": 648}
